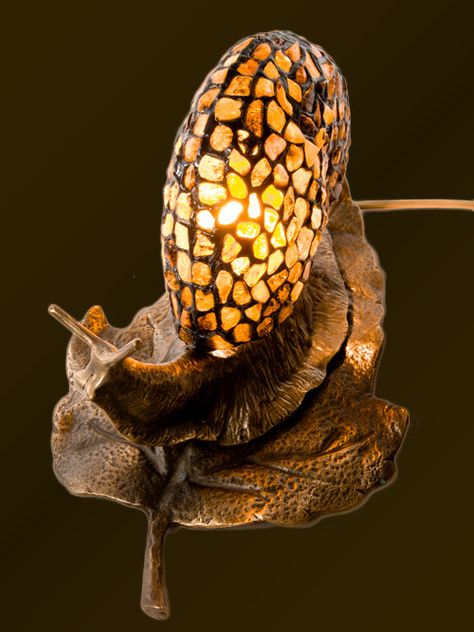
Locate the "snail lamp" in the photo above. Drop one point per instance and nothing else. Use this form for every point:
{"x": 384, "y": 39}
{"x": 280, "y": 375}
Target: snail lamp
{"x": 245, "y": 394}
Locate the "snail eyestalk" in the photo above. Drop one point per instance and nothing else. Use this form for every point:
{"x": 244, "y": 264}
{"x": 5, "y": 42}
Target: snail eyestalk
{"x": 414, "y": 205}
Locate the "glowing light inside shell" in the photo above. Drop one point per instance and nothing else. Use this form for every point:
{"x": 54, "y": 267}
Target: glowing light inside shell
{"x": 229, "y": 213}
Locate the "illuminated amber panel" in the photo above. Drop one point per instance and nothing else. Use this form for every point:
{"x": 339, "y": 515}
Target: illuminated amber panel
{"x": 255, "y": 273}
{"x": 239, "y": 86}
{"x": 186, "y": 297}
{"x": 301, "y": 179}
{"x": 204, "y": 301}
{"x": 296, "y": 291}
{"x": 211, "y": 193}
{"x": 231, "y": 60}
{"x": 181, "y": 236}
{"x": 191, "y": 148}
{"x": 275, "y": 260}
{"x": 229, "y": 213}
{"x": 219, "y": 76}
{"x": 292, "y": 230}
{"x": 284, "y": 293}
{"x": 282, "y": 98}
{"x": 289, "y": 203}
{"x": 294, "y": 90}
{"x": 260, "y": 172}
{"x": 294, "y": 52}
{"x": 171, "y": 280}
{"x": 316, "y": 217}
{"x": 294, "y": 157}
{"x": 270, "y": 219}
{"x": 272, "y": 197}
{"x": 311, "y": 152}
{"x": 240, "y": 265}
{"x": 265, "y": 327}
{"x": 243, "y": 333}
{"x": 275, "y": 116}
{"x": 283, "y": 61}
{"x": 313, "y": 71}
{"x": 271, "y": 307}
{"x": 285, "y": 312}
{"x": 280, "y": 176}
{"x": 203, "y": 246}
{"x": 254, "y": 210}
{"x": 174, "y": 302}
{"x": 241, "y": 294}
{"x": 278, "y": 238}
{"x": 224, "y": 283}
{"x": 211, "y": 168}
{"x": 295, "y": 272}
{"x": 239, "y": 47}
{"x": 254, "y": 312}
{"x": 260, "y": 292}
{"x": 239, "y": 163}
{"x": 260, "y": 247}
{"x": 201, "y": 273}
{"x": 200, "y": 124}
{"x": 207, "y": 99}
{"x": 274, "y": 146}
{"x": 230, "y": 248}
{"x": 189, "y": 178}
{"x": 304, "y": 241}
{"x": 167, "y": 227}
{"x": 293, "y": 133}
{"x": 262, "y": 51}
{"x": 300, "y": 75}
{"x": 264, "y": 88}
{"x": 219, "y": 344}
{"x": 184, "y": 267}
{"x": 254, "y": 117}
{"x": 228, "y": 109}
{"x": 248, "y": 67}
{"x": 186, "y": 319}
{"x": 205, "y": 220}
{"x": 230, "y": 316}
{"x": 237, "y": 187}
{"x": 277, "y": 279}
{"x": 301, "y": 210}
{"x": 221, "y": 138}
{"x": 207, "y": 322}
{"x": 271, "y": 71}
{"x": 314, "y": 245}
{"x": 291, "y": 255}
{"x": 328, "y": 115}
{"x": 248, "y": 230}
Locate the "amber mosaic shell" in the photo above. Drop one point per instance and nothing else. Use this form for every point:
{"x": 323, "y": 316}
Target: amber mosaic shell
{"x": 257, "y": 164}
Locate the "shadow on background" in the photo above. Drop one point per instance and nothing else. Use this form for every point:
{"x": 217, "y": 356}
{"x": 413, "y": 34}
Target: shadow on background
{"x": 92, "y": 96}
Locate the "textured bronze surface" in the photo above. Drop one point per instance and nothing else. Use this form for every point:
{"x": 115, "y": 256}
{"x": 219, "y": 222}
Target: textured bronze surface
{"x": 335, "y": 447}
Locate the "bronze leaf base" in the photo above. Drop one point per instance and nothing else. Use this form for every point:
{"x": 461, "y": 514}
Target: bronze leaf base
{"x": 326, "y": 457}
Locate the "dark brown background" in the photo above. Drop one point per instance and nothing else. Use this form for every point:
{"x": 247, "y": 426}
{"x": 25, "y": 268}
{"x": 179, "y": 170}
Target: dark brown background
{"x": 92, "y": 94}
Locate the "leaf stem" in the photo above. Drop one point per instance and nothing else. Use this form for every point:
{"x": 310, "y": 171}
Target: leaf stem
{"x": 154, "y": 599}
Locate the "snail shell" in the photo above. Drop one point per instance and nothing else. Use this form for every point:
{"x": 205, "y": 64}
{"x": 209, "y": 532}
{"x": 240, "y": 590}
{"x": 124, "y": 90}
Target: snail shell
{"x": 257, "y": 164}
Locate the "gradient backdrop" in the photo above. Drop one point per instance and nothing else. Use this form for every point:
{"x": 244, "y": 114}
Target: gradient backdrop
{"x": 92, "y": 94}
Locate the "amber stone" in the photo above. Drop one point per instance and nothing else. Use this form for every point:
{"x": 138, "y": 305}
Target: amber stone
{"x": 211, "y": 193}
{"x": 260, "y": 172}
{"x": 211, "y": 168}
{"x": 231, "y": 60}
{"x": 278, "y": 238}
{"x": 205, "y": 220}
{"x": 254, "y": 312}
{"x": 230, "y": 316}
{"x": 181, "y": 236}
{"x": 248, "y": 67}
{"x": 167, "y": 226}
{"x": 254, "y": 210}
{"x": 301, "y": 210}
{"x": 317, "y": 167}
{"x": 291, "y": 255}
{"x": 242, "y": 333}
{"x": 294, "y": 90}
{"x": 174, "y": 191}
{"x": 270, "y": 219}
{"x": 184, "y": 267}
{"x": 280, "y": 176}
{"x": 296, "y": 291}
{"x": 320, "y": 138}
{"x": 186, "y": 297}
{"x": 207, "y": 322}
{"x": 277, "y": 279}
{"x": 201, "y": 273}
{"x": 315, "y": 244}
{"x": 289, "y": 203}
{"x": 301, "y": 179}
{"x": 313, "y": 71}
{"x": 316, "y": 217}
{"x": 307, "y": 270}
{"x": 294, "y": 157}
{"x": 220, "y": 75}
{"x": 200, "y": 124}
{"x": 295, "y": 272}
{"x": 171, "y": 280}
{"x": 304, "y": 241}
{"x": 186, "y": 319}
{"x": 255, "y": 273}
{"x": 313, "y": 189}
{"x": 219, "y": 344}
{"x": 264, "y": 88}
{"x": 275, "y": 260}
{"x": 284, "y": 293}
{"x": 274, "y": 146}
{"x": 272, "y": 197}
{"x": 240, "y": 293}
{"x": 239, "y": 163}
{"x": 262, "y": 51}
{"x": 271, "y": 307}
{"x": 229, "y": 212}
{"x": 175, "y": 304}
{"x": 293, "y": 52}
{"x": 240, "y": 265}
{"x": 230, "y": 248}
{"x": 282, "y": 61}
{"x": 237, "y": 187}
{"x": 254, "y": 117}
{"x": 292, "y": 230}
{"x": 260, "y": 292}
{"x": 275, "y": 116}
{"x": 293, "y": 133}
{"x": 283, "y": 99}
{"x": 248, "y": 229}
{"x": 203, "y": 246}
{"x": 228, "y": 109}
{"x": 207, "y": 99}
{"x": 311, "y": 152}
{"x": 260, "y": 247}
{"x": 265, "y": 327}
{"x": 328, "y": 115}
{"x": 191, "y": 148}
{"x": 221, "y": 138}
{"x": 300, "y": 75}
{"x": 285, "y": 312}
{"x": 204, "y": 301}
{"x": 239, "y": 47}
{"x": 224, "y": 283}
{"x": 189, "y": 178}
{"x": 271, "y": 71}
{"x": 239, "y": 86}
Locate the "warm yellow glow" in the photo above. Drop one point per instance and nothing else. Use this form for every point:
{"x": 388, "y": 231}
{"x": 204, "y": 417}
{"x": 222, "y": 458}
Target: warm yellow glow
{"x": 279, "y": 238}
{"x": 254, "y": 209}
{"x": 273, "y": 197}
{"x": 211, "y": 168}
{"x": 211, "y": 193}
{"x": 237, "y": 186}
{"x": 275, "y": 260}
{"x": 239, "y": 163}
{"x": 270, "y": 220}
{"x": 167, "y": 225}
{"x": 248, "y": 230}
{"x": 260, "y": 247}
{"x": 205, "y": 220}
{"x": 230, "y": 212}
{"x": 240, "y": 265}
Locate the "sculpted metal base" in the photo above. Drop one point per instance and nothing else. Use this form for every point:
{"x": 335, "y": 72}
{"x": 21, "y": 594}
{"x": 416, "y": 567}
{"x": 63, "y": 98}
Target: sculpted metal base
{"x": 245, "y": 395}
